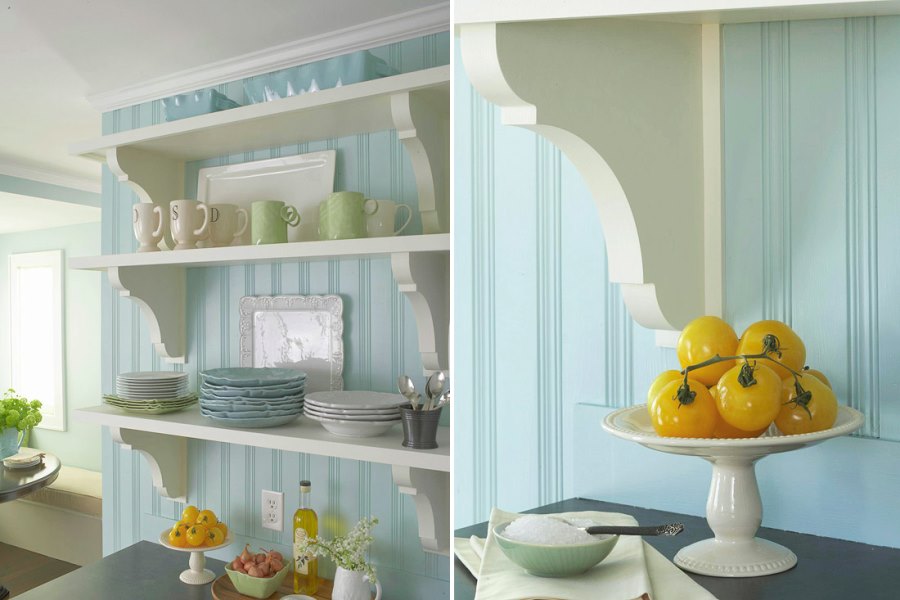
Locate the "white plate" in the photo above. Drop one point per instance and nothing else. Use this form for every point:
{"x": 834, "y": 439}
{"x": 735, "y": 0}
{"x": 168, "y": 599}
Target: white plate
{"x": 22, "y": 465}
{"x": 357, "y": 418}
{"x": 353, "y": 428}
{"x": 301, "y": 181}
{"x": 356, "y": 399}
{"x": 354, "y": 411}
{"x": 150, "y": 376}
{"x": 295, "y": 332}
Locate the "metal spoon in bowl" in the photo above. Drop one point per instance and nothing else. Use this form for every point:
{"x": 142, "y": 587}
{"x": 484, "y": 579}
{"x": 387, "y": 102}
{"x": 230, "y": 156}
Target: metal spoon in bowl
{"x": 667, "y": 529}
{"x": 408, "y": 389}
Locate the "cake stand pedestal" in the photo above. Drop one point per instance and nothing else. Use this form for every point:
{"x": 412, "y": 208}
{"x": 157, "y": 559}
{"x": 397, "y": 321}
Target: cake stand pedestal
{"x": 734, "y": 507}
{"x": 197, "y": 573}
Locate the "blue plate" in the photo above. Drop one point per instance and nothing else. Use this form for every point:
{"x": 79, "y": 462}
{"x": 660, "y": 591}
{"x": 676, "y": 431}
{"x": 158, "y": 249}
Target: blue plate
{"x": 272, "y": 391}
{"x": 252, "y": 377}
{"x": 208, "y": 393}
{"x": 255, "y": 422}
{"x": 249, "y": 414}
{"x": 227, "y": 406}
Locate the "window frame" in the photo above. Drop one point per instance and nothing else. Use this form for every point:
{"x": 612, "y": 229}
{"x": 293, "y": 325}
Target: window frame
{"x": 53, "y": 259}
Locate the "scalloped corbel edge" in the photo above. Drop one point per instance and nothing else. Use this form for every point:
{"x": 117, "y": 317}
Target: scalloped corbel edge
{"x": 153, "y": 177}
{"x": 423, "y": 277}
{"x": 422, "y": 126}
{"x": 159, "y": 291}
{"x": 430, "y": 491}
{"x": 166, "y": 456}
{"x": 653, "y": 300}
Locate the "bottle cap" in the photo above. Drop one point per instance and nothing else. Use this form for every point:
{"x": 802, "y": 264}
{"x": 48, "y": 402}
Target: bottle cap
{"x": 305, "y": 486}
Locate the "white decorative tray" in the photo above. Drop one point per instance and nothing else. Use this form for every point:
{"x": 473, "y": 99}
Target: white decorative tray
{"x": 295, "y": 332}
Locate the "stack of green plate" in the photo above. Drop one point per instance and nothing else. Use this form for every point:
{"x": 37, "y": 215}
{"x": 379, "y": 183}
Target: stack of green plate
{"x": 151, "y": 406}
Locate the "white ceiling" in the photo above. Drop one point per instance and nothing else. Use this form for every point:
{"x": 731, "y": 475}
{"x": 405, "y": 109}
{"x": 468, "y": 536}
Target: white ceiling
{"x": 55, "y": 53}
{"x": 27, "y": 213}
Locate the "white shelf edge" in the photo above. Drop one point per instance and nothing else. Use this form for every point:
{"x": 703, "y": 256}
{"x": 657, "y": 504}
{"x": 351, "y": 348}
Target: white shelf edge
{"x": 684, "y": 11}
{"x": 313, "y": 250}
{"x": 302, "y": 435}
{"x": 385, "y": 87}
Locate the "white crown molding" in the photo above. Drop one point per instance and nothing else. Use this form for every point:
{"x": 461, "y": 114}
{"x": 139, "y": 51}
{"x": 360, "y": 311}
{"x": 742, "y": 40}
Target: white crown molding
{"x": 396, "y": 28}
{"x": 65, "y": 180}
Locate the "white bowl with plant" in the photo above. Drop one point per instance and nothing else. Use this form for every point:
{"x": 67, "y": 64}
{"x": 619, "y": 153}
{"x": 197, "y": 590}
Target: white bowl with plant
{"x": 18, "y": 416}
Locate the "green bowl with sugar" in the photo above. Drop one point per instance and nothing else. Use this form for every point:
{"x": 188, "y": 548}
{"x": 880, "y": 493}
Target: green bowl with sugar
{"x": 549, "y": 560}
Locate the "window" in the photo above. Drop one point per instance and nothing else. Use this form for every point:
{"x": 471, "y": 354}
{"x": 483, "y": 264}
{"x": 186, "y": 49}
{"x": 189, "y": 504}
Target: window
{"x": 36, "y": 332}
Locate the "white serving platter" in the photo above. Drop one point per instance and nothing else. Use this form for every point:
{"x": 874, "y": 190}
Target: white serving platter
{"x": 295, "y": 332}
{"x": 302, "y": 181}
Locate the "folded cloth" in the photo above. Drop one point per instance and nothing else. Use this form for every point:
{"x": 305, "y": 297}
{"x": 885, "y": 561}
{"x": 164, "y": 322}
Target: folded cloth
{"x": 621, "y": 576}
{"x": 667, "y": 581}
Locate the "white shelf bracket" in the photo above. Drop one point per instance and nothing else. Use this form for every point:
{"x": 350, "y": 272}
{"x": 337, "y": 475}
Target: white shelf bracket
{"x": 166, "y": 456}
{"x": 430, "y": 491}
{"x": 623, "y": 99}
{"x": 424, "y": 278}
{"x": 422, "y": 123}
{"x": 153, "y": 177}
{"x": 160, "y": 291}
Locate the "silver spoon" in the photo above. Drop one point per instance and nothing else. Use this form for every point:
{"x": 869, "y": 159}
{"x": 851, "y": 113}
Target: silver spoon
{"x": 434, "y": 388}
{"x": 408, "y": 389}
{"x": 667, "y": 529}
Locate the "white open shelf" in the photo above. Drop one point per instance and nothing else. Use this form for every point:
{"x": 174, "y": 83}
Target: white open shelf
{"x": 351, "y": 109}
{"x": 162, "y": 439}
{"x": 238, "y": 255}
{"x": 302, "y": 435}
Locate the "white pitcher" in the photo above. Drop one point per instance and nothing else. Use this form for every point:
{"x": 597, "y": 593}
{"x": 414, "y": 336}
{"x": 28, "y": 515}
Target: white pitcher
{"x": 353, "y": 585}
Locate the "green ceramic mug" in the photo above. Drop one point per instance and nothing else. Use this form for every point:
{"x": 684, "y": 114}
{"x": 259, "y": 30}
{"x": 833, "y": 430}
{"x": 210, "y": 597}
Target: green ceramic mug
{"x": 343, "y": 215}
{"x": 269, "y": 220}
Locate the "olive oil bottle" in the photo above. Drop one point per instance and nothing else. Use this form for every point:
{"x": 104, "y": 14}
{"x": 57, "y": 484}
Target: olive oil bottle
{"x": 306, "y": 524}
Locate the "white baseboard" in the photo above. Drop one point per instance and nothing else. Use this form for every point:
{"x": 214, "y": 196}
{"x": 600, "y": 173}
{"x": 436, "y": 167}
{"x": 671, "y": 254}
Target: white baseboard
{"x": 39, "y": 528}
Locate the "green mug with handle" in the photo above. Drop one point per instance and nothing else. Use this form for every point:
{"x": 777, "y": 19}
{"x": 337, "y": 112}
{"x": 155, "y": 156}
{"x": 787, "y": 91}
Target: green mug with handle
{"x": 269, "y": 220}
{"x": 343, "y": 215}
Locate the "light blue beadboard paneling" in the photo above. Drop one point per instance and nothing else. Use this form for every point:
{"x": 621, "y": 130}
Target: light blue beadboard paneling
{"x": 380, "y": 341}
{"x": 810, "y": 145}
{"x": 537, "y": 329}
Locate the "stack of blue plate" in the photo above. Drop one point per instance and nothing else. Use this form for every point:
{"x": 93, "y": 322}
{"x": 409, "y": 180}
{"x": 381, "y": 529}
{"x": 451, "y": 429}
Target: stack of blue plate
{"x": 251, "y": 397}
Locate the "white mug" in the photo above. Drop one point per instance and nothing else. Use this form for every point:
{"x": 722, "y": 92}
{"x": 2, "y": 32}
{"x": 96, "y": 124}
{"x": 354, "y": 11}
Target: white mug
{"x": 148, "y": 222}
{"x": 188, "y": 226}
{"x": 225, "y": 224}
{"x": 381, "y": 222}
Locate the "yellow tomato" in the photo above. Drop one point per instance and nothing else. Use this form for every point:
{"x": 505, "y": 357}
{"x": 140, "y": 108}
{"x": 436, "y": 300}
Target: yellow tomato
{"x": 680, "y": 414}
{"x": 749, "y": 396}
{"x": 786, "y": 347}
{"x": 704, "y": 338}
{"x": 189, "y": 514}
{"x": 818, "y": 375}
{"x": 814, "y": 410}
{"x": 659, "y": 383}
{"x": 207, "y": 517}
{"x": 725, "y": 431}
{"x": 214, "y": 536}
{"x": 177, "y": 538}
{"x": 223, "y": 528}
{"x": 196, "y": 535}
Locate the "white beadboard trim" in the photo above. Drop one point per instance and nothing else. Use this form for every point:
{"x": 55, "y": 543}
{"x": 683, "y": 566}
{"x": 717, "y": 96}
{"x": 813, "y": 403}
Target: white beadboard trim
{"x": 388, "y": 30}
{"x": 51, "y": 177}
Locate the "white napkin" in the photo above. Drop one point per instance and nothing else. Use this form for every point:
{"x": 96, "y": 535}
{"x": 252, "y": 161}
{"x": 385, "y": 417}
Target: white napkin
{"x": 667, "y": 581}
{"x": 621, "y": 576}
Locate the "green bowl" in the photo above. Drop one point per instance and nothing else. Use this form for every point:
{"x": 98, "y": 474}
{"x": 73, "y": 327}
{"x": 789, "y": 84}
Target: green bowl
{"x": 544, "y": 560}
{"x": 257, "y": 587}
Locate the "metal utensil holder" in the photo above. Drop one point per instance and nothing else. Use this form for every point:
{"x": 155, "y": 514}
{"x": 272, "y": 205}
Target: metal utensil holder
{"x": 420, "y": 428}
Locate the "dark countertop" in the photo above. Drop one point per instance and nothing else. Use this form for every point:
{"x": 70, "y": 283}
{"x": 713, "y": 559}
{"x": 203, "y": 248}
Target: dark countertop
{"x": 144, "y": 571}
{"x": 827, "y": 569}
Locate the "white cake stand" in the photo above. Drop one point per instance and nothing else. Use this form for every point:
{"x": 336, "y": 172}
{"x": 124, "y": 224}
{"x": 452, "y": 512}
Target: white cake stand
{"x": 197, "y": 574}
{"x": 734, "y": 508}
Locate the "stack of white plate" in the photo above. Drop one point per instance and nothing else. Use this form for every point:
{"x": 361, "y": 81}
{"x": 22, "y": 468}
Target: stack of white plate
{"x": 355, "y": 414}
{"x": 25, "y": 459}
{"x": 151, "y": 392}
{"x": 252, "y": 397}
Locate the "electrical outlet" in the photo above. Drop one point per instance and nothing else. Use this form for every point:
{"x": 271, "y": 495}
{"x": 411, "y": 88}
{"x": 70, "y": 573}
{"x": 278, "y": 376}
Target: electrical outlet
{"x": 273, "y": 510}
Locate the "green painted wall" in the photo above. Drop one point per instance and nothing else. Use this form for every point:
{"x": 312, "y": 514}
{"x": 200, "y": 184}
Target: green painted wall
{"x": 79, "y": 445}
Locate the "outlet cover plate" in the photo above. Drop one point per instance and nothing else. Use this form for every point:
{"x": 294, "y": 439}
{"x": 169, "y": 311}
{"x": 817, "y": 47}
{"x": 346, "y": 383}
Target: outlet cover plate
{"x": 272, "y": 510}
